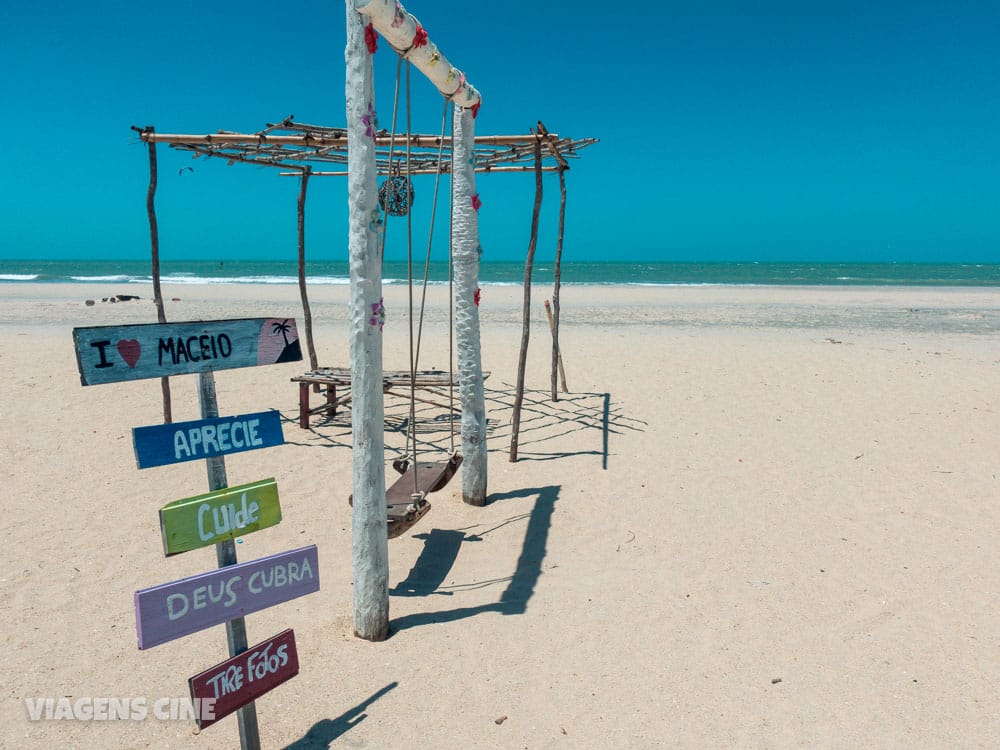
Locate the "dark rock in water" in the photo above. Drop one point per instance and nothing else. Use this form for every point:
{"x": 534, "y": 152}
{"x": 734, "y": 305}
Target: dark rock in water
{"x": 89, "y": 303}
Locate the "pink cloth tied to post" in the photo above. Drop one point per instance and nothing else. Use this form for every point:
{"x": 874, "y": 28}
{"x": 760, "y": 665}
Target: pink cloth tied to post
{"x": 419, "y": 38}
{"x": 371, "y": 39}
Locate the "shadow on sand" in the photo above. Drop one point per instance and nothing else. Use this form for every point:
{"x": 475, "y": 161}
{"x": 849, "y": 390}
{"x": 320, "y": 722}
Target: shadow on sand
{"x": 543, "y": 423}
{"x": 441, "y": 549}
{"x": 322, "y": 734}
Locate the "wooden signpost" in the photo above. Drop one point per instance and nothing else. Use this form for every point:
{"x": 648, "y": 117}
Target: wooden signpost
{"x": 217, "y": 516}
{"x": 179, "y": 608}
{"x": 111, "y": 354}
{"x": 160, "y": 445}
{"x": 245, "y": 677}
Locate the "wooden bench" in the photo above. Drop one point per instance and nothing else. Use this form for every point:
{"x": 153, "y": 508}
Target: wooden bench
{"x": 396, "y": 382}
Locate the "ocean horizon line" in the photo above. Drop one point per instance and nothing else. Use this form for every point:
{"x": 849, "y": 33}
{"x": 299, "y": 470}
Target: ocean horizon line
{"x": 509, "y": 273}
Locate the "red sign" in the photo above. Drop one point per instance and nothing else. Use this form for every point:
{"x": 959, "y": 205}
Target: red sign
{"x": 242, "y": 679}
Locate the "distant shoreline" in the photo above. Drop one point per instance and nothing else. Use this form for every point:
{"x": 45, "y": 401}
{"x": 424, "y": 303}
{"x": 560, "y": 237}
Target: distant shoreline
{"x": 506, "y": 273}
{"x": 833, "y": 309}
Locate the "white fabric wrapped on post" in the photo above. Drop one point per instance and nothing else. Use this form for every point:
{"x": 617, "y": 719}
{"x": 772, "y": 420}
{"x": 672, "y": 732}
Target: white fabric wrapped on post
{"x": 466, "y": 250}
{"x": 406, "y": 35}
{"x": 368, "y": 519}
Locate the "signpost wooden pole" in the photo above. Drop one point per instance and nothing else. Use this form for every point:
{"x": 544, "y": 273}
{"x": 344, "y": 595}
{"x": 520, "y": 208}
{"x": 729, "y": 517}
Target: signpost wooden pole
{"x": 236, "y": 630}
{"x": 112, "y": 354}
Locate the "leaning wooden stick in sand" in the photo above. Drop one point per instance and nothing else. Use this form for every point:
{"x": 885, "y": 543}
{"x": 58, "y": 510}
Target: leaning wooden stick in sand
{"x": 558, "y": 354}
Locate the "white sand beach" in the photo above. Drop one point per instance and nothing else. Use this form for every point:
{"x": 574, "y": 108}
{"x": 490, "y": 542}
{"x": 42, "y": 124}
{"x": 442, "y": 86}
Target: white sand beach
{"x": 763, "y": 517}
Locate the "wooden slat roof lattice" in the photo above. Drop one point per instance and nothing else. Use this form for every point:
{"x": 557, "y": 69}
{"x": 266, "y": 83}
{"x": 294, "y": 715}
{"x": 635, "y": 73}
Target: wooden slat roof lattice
{"x": 294, "y": 147}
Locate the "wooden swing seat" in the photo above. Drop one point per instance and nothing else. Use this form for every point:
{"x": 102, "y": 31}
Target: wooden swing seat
{"x": 403, "y": 510}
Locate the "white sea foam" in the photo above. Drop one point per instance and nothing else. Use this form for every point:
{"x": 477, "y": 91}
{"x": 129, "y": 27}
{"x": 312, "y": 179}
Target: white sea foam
{"x": 192, "y": 279}
{"x": 113, "y": 277}
{"x": 651, "y": 283}
{"x": 18, "y": 276}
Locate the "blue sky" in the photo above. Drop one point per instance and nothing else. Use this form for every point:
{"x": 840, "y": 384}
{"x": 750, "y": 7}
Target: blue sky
{"x": 769, "y": 131}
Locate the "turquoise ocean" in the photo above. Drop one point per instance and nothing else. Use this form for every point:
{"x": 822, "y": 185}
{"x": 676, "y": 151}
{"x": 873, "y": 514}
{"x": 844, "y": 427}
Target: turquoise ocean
{"x": 648, "y": 274}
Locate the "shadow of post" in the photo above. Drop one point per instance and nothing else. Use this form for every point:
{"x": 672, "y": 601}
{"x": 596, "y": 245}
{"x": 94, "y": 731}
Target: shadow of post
{"x": 514, "y": 599}
{"x": 605, "y": 431}
{"x": 520, "y": 588}
{"x": 322, "y": 734}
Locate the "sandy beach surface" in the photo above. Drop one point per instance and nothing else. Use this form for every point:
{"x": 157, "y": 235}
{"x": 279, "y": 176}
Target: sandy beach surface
{"x": 761, "y": 518}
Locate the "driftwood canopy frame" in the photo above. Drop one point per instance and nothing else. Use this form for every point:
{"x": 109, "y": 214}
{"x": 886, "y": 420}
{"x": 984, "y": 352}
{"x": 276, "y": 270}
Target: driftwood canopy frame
{"x": 303, "y": 150}
{"x": 322, "y": 151}
{"x": 299, "y": 149}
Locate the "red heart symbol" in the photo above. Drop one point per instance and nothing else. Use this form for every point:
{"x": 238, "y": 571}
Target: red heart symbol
{"x": 130, "y": 350}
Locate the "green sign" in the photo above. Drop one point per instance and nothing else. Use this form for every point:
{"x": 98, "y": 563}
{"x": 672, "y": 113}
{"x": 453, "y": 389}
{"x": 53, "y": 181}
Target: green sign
{"x": 217, "y": 516}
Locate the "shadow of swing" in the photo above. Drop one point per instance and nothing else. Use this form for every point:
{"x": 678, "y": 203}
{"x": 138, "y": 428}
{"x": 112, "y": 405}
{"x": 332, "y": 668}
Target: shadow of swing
{"x": 441, "y": 550}
{"x": 428, "y": 573}
{"x": 322, "y": 734}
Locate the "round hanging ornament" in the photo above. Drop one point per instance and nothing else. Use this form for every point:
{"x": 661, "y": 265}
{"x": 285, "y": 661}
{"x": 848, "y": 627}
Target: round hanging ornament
{"x": 396, "y": 195}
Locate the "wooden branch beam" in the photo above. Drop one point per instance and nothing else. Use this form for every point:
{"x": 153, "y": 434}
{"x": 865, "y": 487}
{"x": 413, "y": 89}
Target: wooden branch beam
{"x": 318, "y": 141}
{"x": 548, "y": 139}
{"x": 430, "y": 171}
{"x": 410, "y": 39}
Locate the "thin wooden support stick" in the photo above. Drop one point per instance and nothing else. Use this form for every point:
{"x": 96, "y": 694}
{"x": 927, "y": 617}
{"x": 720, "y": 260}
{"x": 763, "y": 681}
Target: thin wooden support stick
{"x": 154, "y": 241}
{"x": 306, "y": 312}
{"x": 554, "y": 322}
{"x": 526, "y": 322}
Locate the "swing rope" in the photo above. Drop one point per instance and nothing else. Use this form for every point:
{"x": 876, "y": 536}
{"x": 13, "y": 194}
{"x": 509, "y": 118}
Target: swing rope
{"x": 430, "y": 234}
{"x": 407, "y": 503}
{"x": 415, "y": 348}
{"x": 412, "y": 432}
{"x": 451, "y": 280}
{"x": 392, "y": 148}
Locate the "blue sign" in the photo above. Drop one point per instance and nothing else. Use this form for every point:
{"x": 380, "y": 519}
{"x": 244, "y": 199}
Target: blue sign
{"x": 164, "y": 444}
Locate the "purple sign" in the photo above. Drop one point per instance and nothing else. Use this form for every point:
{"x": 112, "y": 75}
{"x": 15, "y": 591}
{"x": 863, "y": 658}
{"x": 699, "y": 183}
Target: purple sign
{"x": 173, "y": 610}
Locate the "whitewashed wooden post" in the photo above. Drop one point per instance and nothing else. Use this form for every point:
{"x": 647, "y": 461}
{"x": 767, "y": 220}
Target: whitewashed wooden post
{"x": 405, "y": 34}
{"x": 465, "y": 257}
{"x": 370, "y": 533}
{"x": 369, "y": 526}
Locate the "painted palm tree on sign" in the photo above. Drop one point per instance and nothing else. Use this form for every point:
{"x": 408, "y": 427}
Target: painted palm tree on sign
{"x": 283, "y": 328}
